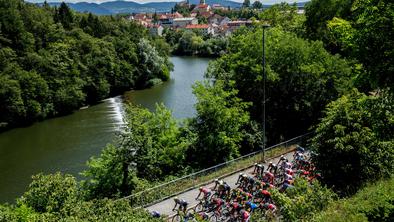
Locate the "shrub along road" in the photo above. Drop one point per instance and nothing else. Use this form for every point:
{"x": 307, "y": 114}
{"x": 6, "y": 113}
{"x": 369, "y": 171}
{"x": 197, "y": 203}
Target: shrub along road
{"x": 165, "y": 207}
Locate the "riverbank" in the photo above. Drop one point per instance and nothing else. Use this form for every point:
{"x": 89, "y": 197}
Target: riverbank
{"x": 66, "y": 143}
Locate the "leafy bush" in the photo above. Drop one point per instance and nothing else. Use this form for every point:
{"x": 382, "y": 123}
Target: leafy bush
{"x": 218, "y": 125}
{"x": 354, "y": 142}
{"x": 375, "y": 202}
{"x": 49, "y": 193}
{"x": 303, "y": 201}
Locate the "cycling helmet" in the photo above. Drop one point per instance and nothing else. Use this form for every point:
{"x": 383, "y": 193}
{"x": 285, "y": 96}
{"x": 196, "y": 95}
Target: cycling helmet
{"x": 266, "y": 193}
{"x": 155, "y": 214}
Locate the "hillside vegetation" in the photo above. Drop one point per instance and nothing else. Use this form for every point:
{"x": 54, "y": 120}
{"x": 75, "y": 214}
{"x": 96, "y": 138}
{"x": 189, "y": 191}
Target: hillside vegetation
{"x": 53, "y": 61}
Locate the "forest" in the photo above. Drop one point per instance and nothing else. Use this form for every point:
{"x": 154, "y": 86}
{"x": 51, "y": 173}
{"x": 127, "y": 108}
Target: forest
{"x": 329, "y": 71}
{"x": 54, "y": 60}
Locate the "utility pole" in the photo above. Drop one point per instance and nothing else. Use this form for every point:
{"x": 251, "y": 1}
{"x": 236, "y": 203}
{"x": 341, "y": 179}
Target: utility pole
{"x": 265, "y": 26}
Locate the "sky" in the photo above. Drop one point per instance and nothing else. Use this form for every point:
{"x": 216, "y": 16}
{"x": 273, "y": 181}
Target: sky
{"x": 145, "y": 1}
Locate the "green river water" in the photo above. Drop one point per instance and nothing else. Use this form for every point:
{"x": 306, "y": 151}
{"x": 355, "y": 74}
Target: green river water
{"x": 66, "y": 143}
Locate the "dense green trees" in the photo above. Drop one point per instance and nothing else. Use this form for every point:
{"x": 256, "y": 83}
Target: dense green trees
{"x": 58, "y": 197}
{"x": 358, "y": 29}
{"x": 219, "y": 123}
{"x": 257, "y": 4}
{"x": 354, "y": 142}
{"x": 195, "y": 43}
{"x": 54, "y": 60}
{"x": 302, "y": 78}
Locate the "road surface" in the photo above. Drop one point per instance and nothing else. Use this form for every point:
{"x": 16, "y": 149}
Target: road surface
{"x": 165, "y": 207}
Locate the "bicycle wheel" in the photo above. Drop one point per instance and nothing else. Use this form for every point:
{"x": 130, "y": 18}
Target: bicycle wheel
{"x": 176, "y": 218}
{"x": 190, "y": 211}
{"x": 213, "y": 218}
{"x": 198, "y": 208}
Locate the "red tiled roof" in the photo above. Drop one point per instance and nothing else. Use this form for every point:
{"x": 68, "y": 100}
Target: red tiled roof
{"x": 177, "y": 15}
{"x": 202, "y": 6}
{"x": 199, "y": 26}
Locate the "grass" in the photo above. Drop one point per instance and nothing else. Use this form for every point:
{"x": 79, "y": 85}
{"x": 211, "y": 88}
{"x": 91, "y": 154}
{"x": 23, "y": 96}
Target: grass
{"x": 156, "y": 195}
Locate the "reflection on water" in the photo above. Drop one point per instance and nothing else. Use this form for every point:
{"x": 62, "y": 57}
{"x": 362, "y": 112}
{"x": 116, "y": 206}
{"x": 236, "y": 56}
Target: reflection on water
{"x": 60, "y": 144}
{"x": 66, "y": 143}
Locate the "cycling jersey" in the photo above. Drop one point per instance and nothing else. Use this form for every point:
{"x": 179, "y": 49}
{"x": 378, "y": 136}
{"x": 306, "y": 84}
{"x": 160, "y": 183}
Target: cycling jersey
{"x": 251, "y": 205}
{"x": 245, "y": 215}
{"x": 286, "y": 186}
{"x": 268, "y": 177}
{"x": 288, "y": 176}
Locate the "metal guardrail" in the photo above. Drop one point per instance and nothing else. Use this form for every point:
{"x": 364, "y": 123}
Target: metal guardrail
{"x": 171, "y": 188}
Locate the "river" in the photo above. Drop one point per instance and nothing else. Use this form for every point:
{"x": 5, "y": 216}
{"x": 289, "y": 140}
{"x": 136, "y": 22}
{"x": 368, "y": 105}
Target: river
{"x": 66, "y": 143}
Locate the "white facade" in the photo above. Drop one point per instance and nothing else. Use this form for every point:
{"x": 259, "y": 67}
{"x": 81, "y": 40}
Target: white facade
{"x": 183, "y": 22}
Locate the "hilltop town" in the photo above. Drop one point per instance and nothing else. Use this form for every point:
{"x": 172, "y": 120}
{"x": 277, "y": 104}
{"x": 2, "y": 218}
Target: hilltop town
{"x": 204, "y": 18}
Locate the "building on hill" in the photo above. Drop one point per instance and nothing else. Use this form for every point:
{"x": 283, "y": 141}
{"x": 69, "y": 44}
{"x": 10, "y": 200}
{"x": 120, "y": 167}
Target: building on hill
{"x": 233, "y": 25}
{"x": 203, "y": 28}
{"x": 218, "y": 7}
{"x": 225, "y": 21}
{"x": 205, "y": 14}
{"x": 202, "y": 7}
{"x": 155, "y": 29}
{"x": 183, "y": 22}
{"x": 177, "y": 15}
{"x": 215, "y": 19}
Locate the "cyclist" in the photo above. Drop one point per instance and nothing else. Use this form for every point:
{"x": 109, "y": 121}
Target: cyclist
{"x": 286, "y": 185}
{"x": 272, "y": 168}
{"x": 268, "y": 177}
{"x": 269, "y": 207}
{"x": 250, "y": 205}
{"x": 226, "y": 190}
{"x": 218, "y": 202}
{"x": 288, "y": 177}
{"x": 258, "y": 169}
{"x": 207, "y": 193}
{"x": 286, "y": 165}
{"x": 235, "y": 207}
{"x": 266, "y": 196}
{"x": 289, "y": 171}
{"x": 281, "y": 160}
{"x": 251, "y": 182}
{"x": 245, "y": 215}
{"x": 182, "y": 204}
{"x": 300, "y": 149}
{"x": 242, "y": 180}
{"x": 217, "y": 183}
{"x": 246, "y": 196}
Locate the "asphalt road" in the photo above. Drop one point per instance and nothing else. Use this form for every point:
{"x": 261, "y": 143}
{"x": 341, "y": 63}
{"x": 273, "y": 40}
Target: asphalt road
{"x": 165, "y": 207}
